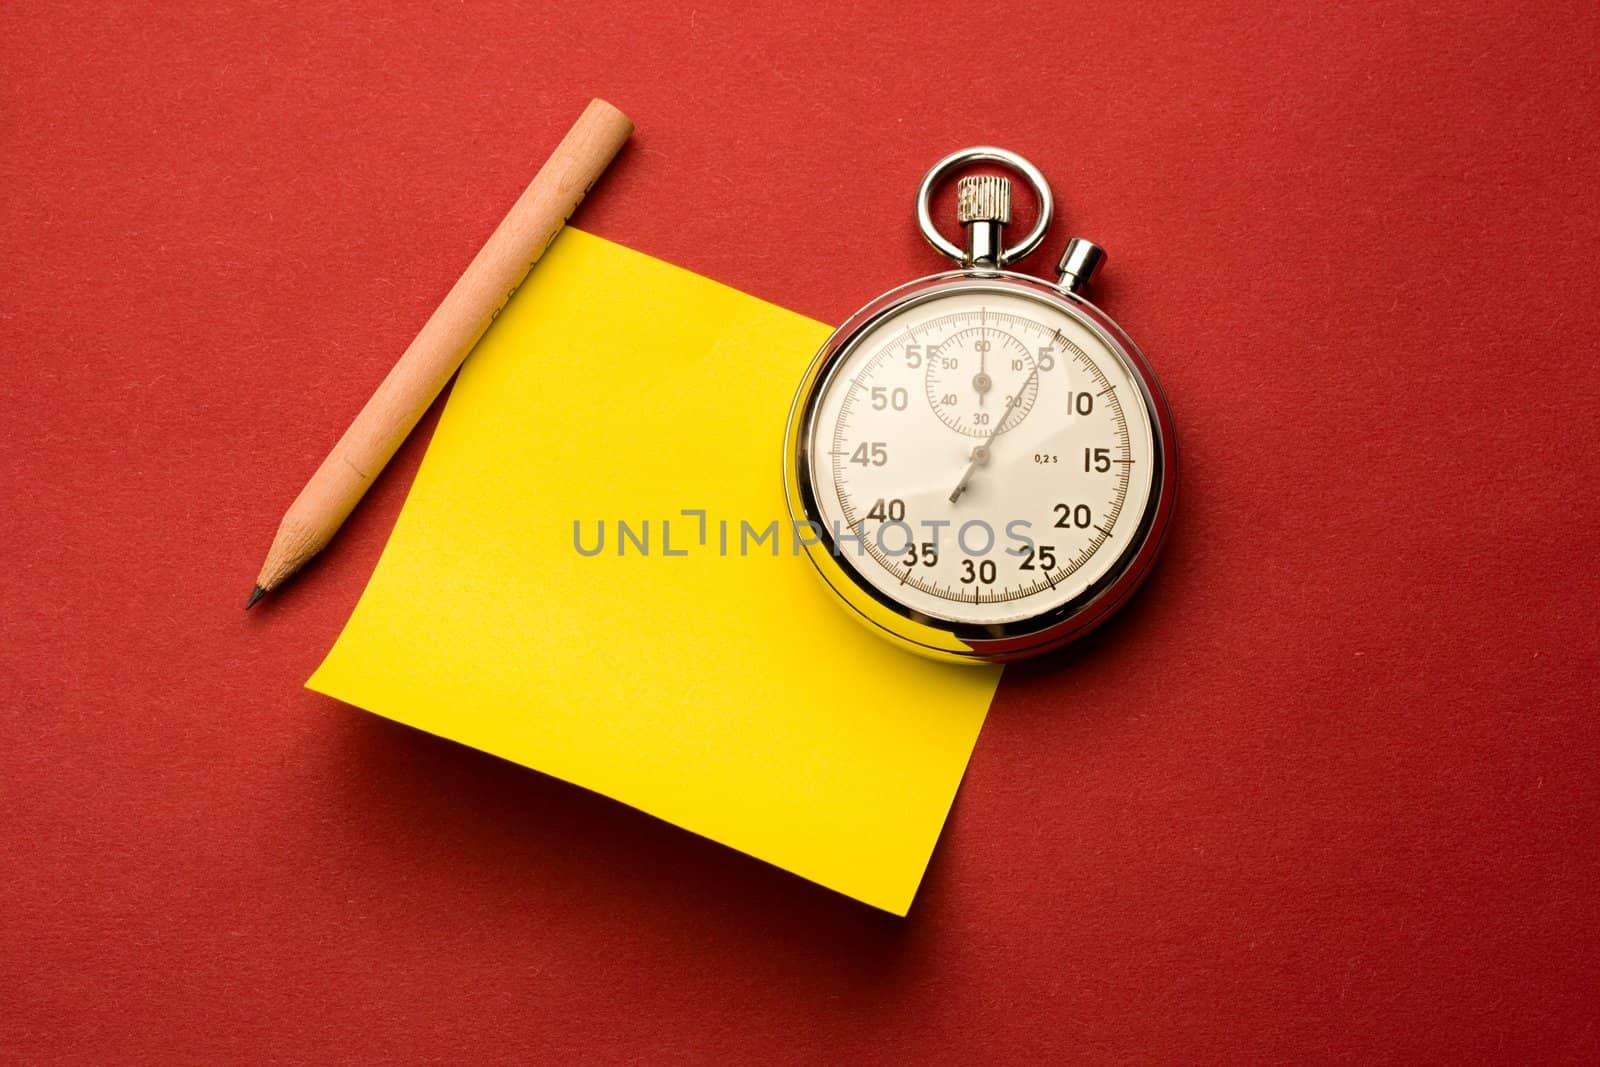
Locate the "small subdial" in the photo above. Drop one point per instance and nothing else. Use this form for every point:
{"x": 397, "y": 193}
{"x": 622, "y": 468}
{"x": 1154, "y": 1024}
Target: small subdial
{"x": 982, "y": 382}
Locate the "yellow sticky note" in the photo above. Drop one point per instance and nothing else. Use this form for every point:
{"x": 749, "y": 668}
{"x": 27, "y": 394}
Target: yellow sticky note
{"x": 716, "y": 688}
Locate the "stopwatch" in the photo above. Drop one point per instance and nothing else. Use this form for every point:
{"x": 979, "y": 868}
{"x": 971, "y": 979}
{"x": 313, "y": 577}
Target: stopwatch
{"x": 982, "y": 461}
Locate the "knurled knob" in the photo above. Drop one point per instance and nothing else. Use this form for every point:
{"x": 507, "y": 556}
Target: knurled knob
{"x": 983, "y": 198}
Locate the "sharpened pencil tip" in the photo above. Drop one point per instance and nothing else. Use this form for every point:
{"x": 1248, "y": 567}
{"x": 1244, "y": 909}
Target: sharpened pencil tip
{"x": 256, "y": 593}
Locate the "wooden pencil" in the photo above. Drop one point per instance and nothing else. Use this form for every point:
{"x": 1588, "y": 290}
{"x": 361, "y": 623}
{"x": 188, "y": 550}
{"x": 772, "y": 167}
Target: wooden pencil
{"x": 449, "y": 334}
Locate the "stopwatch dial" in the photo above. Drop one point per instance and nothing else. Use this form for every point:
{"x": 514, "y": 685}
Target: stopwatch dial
{"x": 981, "y": 381}
{"x": 1006, "y": 517}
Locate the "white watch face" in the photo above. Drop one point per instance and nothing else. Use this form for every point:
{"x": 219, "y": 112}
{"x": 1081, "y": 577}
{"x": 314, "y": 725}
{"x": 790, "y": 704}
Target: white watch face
{"x": 981, "y": 456}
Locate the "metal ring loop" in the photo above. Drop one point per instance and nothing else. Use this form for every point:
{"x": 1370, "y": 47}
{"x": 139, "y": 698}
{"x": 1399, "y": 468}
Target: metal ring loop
{"x": 984, "y": 154}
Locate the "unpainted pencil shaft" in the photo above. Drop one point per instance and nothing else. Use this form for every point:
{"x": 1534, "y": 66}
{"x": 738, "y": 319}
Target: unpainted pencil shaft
{"x": 449, "y": 334}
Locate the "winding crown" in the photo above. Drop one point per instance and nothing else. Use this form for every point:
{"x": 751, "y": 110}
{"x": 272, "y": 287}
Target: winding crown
{"x": 983, "y": 198}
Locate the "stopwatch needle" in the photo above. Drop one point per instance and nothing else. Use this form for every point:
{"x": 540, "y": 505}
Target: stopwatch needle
{"x": 980, "y": 454}
{"x": 980, "y": 457}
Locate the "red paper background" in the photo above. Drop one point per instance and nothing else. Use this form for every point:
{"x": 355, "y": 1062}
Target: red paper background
{"x": 1326, "y": 791}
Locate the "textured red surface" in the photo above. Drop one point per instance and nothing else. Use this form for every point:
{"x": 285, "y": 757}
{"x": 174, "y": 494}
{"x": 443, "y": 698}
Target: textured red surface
{"x": 1326, "y": 791}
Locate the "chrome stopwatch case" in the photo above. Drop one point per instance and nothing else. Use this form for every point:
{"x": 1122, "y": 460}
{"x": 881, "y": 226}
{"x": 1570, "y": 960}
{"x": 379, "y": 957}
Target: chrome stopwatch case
{"x": 982, "y": 462}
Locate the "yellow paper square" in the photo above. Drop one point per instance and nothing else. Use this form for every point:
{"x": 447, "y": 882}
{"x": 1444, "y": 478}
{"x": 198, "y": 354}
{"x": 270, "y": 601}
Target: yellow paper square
{"x": 727, "y": 694}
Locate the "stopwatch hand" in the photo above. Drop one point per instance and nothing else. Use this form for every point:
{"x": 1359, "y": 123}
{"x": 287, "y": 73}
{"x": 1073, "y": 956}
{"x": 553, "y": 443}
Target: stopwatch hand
{"x": 980, "y": 456}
